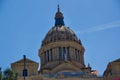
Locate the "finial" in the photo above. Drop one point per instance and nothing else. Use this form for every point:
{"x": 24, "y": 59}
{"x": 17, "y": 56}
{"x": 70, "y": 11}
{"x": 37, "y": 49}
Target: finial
{"x": 88, "y": 64}
{"x": 58, "y": 8}
{"x": 59, "y": 18}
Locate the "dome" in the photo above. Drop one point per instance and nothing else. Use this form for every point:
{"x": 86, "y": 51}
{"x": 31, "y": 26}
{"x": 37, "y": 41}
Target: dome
{"x": 61, "y": 50}
{"x": 60, "y": 32}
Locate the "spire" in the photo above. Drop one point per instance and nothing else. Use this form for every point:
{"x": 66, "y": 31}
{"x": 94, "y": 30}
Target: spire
{"x": 58, "y": 8}
{"x": 59, "y": 18}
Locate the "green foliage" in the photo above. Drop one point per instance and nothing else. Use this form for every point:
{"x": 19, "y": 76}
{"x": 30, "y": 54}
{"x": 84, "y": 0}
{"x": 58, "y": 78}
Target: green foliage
{"x": 0, "y": 76}
{"x": 9, "y": 74}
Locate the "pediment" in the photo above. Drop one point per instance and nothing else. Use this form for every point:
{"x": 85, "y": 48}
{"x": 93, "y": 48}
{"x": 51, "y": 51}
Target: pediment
{"x": 65, "y": 67}
{"x": 22, "y": 61}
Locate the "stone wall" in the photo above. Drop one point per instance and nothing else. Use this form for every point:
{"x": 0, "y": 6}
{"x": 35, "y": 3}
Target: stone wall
{"x": 39, "y": 77}
{"x": 69, "y": 78}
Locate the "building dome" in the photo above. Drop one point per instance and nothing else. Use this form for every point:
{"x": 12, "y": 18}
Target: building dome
{"x": 60, "y": 32}
{"x": 61, "y": 50}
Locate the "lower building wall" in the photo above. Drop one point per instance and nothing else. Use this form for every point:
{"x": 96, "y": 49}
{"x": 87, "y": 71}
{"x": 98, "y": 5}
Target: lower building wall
{"x": 31, "y": 78}
{"x": 39, "y": 77}
{"x": 75, "y": 79}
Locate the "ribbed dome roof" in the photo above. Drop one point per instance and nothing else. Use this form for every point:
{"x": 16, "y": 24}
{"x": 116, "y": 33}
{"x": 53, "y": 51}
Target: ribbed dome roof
{"x": 60, "y": 32}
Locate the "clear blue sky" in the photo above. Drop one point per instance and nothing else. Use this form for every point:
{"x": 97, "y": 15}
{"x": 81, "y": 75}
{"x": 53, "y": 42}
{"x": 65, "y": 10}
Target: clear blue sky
{"x": 24, "y": 24}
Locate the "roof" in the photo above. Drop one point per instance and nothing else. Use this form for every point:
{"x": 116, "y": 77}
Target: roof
{"x": 27, "y": 61}
{"x": 118, "y": 60}
{"x": 60, "y": 33}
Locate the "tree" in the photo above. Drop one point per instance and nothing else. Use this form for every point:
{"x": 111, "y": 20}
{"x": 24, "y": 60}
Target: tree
{"x": 0, "y": 76}
{"x": 9, "y": 74}
{"x": 0, "y": 73}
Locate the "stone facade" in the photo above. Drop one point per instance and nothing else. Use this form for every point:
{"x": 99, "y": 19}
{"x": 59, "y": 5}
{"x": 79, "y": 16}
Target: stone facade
{"x": 31, "y": 67}
{"x": 113, "y": 69}
{"x": 55, "y": 61}
{"x": 110, "y": 73}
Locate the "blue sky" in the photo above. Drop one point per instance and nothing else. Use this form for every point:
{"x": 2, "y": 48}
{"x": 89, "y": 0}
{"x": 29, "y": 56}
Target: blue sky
{"x": 24, "y": 24}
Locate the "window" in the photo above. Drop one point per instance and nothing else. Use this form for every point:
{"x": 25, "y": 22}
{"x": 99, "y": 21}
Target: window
{"x": 64, "y": 53}
{"x": 68, "y": 53}
{"x": 60, "y": 53}
{"x": 45, "y": 57}
{"x": 51, "y": 55}
{"x": 25, "y": 73}
{"x": 48, "y": 55}
{"x": 76, "y": 54}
